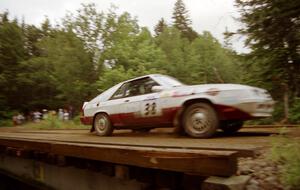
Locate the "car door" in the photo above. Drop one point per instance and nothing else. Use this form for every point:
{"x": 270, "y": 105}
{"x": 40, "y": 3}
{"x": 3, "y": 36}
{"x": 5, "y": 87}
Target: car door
{"x": 114, "y": 106}
{"x": 130, "y": 106}
{"x": 138, "y": 103}
{"x": 124, "y": 105}
{"x": 144, "y": 105}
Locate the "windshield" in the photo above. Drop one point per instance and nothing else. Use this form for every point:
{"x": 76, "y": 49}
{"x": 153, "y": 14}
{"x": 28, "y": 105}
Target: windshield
{"x": 168, "y": 81}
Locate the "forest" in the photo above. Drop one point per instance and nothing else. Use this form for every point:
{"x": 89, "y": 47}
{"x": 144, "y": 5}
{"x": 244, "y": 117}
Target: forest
{"x": 58, "y": 65}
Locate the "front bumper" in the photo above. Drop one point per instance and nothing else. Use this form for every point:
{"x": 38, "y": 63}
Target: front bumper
{"x": 246, "y": 109}
{"x": 258, "y": 108}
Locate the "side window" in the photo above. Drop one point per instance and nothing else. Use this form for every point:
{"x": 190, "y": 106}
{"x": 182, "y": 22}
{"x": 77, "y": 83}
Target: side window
{"x": 133, "y": 89}
{"x": 148, "y": 84}
{"x": 120, "y": 93}
{"x": 140, "y": 87}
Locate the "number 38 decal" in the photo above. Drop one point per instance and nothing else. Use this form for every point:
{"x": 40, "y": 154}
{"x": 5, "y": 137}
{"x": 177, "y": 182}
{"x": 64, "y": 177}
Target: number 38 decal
{"x": 150, "y": 109}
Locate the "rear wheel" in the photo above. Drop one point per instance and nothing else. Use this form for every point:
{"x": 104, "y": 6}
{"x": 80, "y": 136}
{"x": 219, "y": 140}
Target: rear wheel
{"x": 102, "y": 125}
{"x": 230, "y": 127}
{"x": 200, "y": 120}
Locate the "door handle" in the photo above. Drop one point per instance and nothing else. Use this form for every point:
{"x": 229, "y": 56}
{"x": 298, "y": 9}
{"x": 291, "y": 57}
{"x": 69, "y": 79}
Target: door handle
{"x": 126, "y": 101}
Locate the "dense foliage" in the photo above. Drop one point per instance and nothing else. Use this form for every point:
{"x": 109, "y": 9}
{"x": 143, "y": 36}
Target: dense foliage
{"x": 58, "y": 66}
{"x": 272, "y": 28}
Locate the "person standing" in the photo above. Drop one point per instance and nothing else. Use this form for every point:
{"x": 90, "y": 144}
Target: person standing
{"x": 60, "y": 114}
{"x": 66, "y": 115}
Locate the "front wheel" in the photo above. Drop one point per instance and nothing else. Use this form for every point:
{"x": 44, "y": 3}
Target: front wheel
{"x": 102, "y": 125}
{"x": 230, "y": 127}
{"x": 200, "y": 120}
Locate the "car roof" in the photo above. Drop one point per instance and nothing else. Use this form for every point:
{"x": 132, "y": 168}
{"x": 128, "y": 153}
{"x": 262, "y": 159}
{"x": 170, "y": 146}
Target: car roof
{"x": 150, "y": 75}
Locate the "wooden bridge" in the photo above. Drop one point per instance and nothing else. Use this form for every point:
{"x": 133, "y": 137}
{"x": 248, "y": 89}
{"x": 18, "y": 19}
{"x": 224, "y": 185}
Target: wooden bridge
{"x": 127, "y": 156}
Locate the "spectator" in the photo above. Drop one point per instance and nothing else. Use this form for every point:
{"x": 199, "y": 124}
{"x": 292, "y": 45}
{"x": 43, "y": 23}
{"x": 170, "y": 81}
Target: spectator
{"x": 45, "y": 114}
{"x": 71, "y": 112}
{"x": 15, "y": 120}
{"x": 66, "y": 115}
{"x": 37, "y": 116}
{"x": 60, "y": 114}
{"x": 20, "y": 119}
{"x": 30, "y": 117}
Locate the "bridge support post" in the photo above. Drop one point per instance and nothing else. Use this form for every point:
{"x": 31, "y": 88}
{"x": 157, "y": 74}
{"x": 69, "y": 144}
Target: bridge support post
{"x": 48, "y": 176}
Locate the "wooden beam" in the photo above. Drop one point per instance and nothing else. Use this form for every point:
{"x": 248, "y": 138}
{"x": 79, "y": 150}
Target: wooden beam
{"x": 202, "y": 162}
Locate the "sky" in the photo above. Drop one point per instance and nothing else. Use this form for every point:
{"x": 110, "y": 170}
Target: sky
{"x": 206, "y": 15}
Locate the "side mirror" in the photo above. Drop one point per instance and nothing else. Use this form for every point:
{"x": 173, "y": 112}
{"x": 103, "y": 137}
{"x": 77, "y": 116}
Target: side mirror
{"x": 157, "y": 88}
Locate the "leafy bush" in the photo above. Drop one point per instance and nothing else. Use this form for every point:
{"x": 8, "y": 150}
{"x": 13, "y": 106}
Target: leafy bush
{"x": 54, "y": 123}
{"x": 278, "y": 113}
{"x": 295, "y": 111}
{"x": 76, "y": 120}
{"x": 287, "y": 151}
{"x": 6, "y": 123}
{"x": 6, "y": 118}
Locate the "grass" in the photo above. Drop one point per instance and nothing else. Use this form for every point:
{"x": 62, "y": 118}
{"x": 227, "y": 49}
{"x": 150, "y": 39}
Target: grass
{"x": 54, "y": 123}
{"x": 6, "y": 123}
{"x": 286, "y": 150}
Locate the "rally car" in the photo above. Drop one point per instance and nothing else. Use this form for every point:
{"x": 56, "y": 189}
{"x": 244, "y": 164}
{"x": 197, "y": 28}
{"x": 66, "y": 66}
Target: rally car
{"x": 157, "y": 100}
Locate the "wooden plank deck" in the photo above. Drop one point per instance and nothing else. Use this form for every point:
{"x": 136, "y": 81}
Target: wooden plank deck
{"x": 160, "y": 150}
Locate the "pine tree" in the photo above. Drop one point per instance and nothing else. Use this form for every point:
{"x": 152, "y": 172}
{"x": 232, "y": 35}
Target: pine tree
{"x": 159, "y": 28}
{"x": 182, "y": 21}
{"x": 4, "y": 17}
{"x": 12, "y": 53}
{"x": 272, "y": 29}
{"x": 32, "y": 35}
{"x": 46, "y": 27}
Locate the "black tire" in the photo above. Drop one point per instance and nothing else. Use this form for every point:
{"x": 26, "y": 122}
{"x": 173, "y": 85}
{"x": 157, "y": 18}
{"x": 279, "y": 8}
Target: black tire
{"x": 230, "y": 127}
{"x": 200, "y": 120}
{"x": 102, "y": 125}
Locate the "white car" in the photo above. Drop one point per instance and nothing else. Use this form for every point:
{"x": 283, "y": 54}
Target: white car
{"x": 156, "y": 100}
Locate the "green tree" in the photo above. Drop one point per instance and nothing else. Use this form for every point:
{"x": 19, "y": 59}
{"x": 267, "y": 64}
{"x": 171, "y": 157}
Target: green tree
{"x": 46, "y": 27}
{"x": 119, "y": 40}
{"x": 38, "y": 84}
{"x": 202, "y": 61}
{"x": 88, "y": 25}
{"x": 12, "y": 52}
{"x": 64, "y": 70}
{"x": 129, "y": 46}
{"x": 272, "y": 29}
{"x": 176, "y": 50}
{"x": 211, "y": 62}
{"x": 32, "y": 35}
{"x": 114, "y": 76}
{"x": 182, "y": 21}
{"x": 159, "y": 28}
{"x": 66, "y": 52}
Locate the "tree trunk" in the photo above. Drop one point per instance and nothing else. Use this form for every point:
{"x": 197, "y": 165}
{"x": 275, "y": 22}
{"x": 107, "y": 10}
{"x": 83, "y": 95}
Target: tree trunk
{"x": 218, "y": 75}
{"x": 286, "y": 103}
